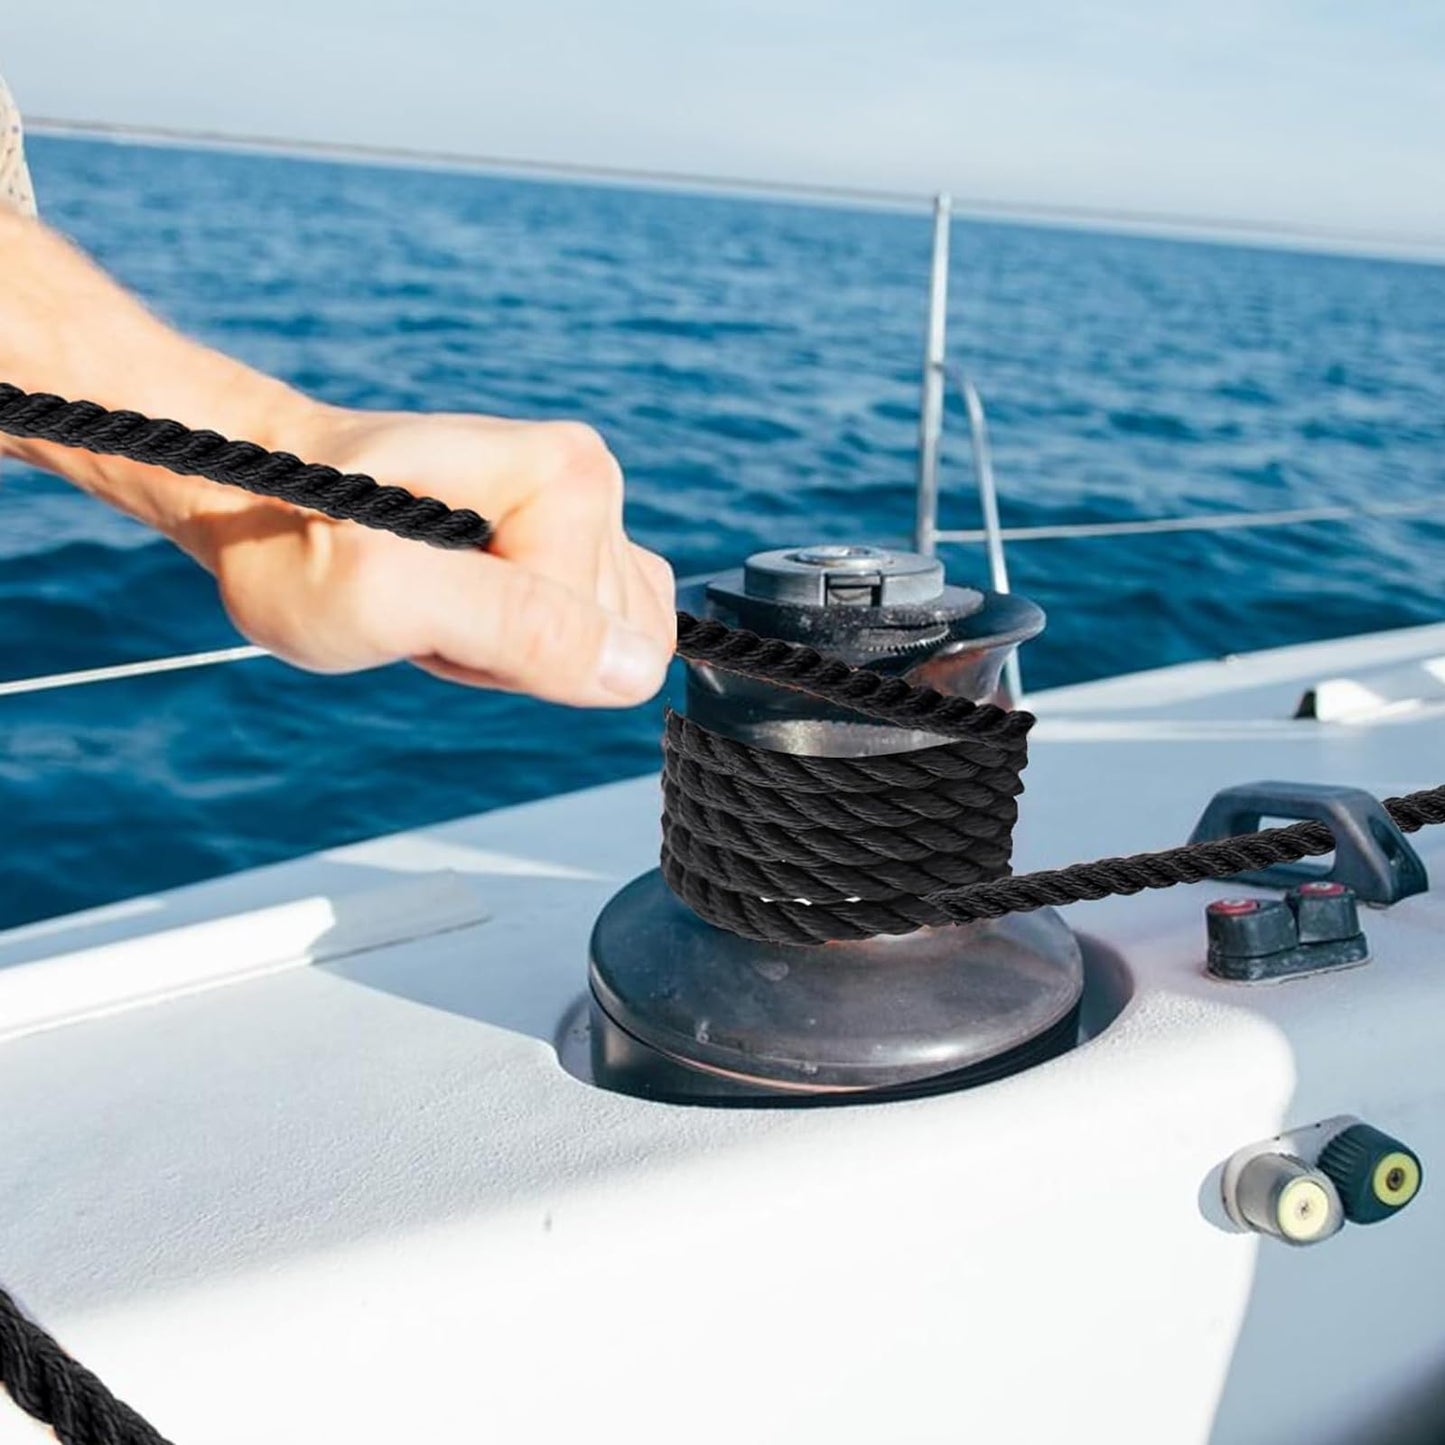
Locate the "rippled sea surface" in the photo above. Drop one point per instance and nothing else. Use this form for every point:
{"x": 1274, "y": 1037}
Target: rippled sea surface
{"x": 755, "y": 366}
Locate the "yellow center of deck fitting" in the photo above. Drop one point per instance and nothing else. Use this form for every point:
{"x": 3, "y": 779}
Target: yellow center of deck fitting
{"x": 1396, "y": 1179}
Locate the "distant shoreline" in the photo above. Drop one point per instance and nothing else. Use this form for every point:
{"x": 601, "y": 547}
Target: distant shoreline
{"x": 1428, "y": 250}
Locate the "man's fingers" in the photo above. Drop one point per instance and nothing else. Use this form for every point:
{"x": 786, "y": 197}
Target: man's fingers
{"x": 657, "y": 576}
{"x": 560, "y": 605}
{"x": 529, "y": 633}
{"x": 652, "y": 595}
{"x": 556, "y": 494}
{"x": 552, "y": 490}
{"x": 467, "y": 676}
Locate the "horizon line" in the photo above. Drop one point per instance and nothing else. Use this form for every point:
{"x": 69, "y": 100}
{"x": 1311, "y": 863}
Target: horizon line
{"x": 1415, "y": 245}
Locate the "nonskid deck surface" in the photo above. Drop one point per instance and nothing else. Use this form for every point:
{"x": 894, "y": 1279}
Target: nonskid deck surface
{"x": 299, "y": 1141}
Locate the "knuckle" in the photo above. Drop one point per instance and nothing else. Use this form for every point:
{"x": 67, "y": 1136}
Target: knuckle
{"x": 582, "y": 457}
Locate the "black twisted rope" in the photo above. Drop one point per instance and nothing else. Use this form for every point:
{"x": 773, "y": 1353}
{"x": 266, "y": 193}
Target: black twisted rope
{"x": 345, "y": 496}
{"x": 1194, "y": 863}
{"x": 875, "y": 845}
{"x": 885, "y": 699}
{"x": 59, "y": 1391}
{"x": 799, "y": 850}
{"x": 749, "y": 834}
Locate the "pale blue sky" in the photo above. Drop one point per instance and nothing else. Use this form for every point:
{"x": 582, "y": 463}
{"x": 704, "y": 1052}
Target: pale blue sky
{"x": 1308, "y": 112}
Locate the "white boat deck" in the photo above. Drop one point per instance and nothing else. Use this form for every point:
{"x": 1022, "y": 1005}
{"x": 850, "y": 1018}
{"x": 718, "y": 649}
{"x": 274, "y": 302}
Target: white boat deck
{"x": 292, "y": 1155}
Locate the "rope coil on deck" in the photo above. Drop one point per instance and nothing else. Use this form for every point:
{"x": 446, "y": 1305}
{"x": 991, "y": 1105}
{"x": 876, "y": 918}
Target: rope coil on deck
{"x": 874, "y": 845}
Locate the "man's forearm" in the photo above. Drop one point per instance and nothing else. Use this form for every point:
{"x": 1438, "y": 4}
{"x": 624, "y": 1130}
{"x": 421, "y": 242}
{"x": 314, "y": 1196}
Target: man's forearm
{"x": 66, "y": 327}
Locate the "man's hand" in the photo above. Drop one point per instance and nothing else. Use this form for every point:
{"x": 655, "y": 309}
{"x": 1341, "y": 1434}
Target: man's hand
{"x": 562, "y": 605}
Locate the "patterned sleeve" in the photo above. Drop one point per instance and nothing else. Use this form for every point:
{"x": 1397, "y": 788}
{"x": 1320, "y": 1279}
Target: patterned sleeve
{"x": 15, "y": 188}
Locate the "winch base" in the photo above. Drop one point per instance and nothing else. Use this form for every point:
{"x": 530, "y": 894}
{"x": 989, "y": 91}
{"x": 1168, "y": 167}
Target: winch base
{"x": 685, "y": 1012}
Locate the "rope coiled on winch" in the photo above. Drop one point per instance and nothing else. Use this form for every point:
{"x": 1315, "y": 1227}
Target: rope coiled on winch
{"x": 874, "y": 845}
{"x": 792, "y": 849}
{"x": 749, "y": 835}
{"x": 870, "y": 694}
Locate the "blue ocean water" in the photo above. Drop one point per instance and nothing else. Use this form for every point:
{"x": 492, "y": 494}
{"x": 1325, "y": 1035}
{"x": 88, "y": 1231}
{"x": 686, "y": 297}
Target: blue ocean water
{"x": 755, "y": 366}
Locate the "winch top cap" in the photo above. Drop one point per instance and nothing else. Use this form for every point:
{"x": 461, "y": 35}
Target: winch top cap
{"x": 829, "y": 574}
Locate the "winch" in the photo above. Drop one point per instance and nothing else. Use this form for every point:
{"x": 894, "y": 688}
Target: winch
{"x": 684, "y": 1011}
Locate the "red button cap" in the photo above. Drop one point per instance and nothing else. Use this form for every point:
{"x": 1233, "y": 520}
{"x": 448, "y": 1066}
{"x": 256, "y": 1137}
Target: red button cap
{"x": 1233, "y": 907}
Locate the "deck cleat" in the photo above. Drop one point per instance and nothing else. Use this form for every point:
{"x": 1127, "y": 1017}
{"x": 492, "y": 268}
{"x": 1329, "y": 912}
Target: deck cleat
{"x": 685, "y": 1011}
{"x": 1314, "y": 928}
{"x": 1325, "y": 912}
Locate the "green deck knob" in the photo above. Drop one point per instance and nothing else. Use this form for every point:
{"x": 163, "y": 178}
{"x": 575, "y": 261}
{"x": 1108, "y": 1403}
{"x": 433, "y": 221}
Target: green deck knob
{"x": 1376, "y": 1176}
